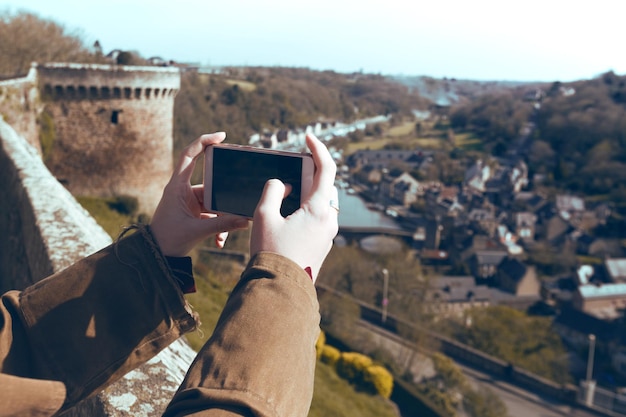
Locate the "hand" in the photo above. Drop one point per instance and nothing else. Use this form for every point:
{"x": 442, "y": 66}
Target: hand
{"x": 180, "y": 221}
{"x": 306, "y": 236}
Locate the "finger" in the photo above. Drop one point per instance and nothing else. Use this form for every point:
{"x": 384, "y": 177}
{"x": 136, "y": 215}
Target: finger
{"x": 186, "y": 162}
{"x": 271, "y": 199}
{"x": 220, "y": 239}
{"x": 215, "y": 225}
{"x": 325, "y": 172}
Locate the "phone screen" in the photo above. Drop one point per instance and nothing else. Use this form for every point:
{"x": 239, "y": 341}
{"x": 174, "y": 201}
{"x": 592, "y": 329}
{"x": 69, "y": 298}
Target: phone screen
{"x": 239, "y": 178}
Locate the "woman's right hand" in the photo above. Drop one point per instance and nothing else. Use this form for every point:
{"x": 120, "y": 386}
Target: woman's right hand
{"x": 306, "y": 235}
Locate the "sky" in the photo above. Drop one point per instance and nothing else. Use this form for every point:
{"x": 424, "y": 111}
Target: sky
{"x": 532, "y": 40}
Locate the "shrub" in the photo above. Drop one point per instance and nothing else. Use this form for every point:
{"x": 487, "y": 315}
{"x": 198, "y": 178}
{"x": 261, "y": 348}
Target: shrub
{"x": 351, "y": 366}
{"x": 47, "y": 133}
{"x": 378, "y": 380}
{"x": 330, "y": 355}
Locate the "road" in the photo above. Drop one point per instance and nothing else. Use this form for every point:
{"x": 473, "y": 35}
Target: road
{"x": 519, "y": 402}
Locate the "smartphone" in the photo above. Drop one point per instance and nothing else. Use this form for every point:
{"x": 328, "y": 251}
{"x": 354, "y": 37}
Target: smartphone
{"x": 235, "y": 175}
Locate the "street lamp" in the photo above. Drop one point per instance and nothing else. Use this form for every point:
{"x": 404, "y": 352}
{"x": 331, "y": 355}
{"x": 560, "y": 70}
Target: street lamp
{"x": 591, "y": 385}
{"x": 385, "y": 293}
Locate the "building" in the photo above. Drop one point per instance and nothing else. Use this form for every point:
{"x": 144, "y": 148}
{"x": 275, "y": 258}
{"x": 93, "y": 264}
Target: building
{"x": 108, "y": 129}
{"x": 517, "y": 278}
{"x": 601, "y": 300}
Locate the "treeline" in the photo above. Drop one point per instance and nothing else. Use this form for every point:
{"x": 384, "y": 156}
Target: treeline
{"x": 586, "y": 134}
{"x": 27, "y": 38}
{"x": 579, "y": 143}
{"x": 495, "y": 118}
{"x": 242, "y": 101}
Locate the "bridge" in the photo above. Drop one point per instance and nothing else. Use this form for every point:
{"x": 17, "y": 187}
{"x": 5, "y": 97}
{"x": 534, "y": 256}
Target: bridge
{"x": 351, "y": 233}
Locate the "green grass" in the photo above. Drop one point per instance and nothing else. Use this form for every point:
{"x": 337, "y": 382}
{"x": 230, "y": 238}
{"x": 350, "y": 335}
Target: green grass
{"x": 405, "y": 129}
{"x": 111, "y": 220}
{"x": 468, "y": 141}
{"x": 430, "y": 138}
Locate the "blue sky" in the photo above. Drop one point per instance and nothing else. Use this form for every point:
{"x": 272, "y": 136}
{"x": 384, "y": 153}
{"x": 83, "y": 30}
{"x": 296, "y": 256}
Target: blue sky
{"x": 533, "y": 40}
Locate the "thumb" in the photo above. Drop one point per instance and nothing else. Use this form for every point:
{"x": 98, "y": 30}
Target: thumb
{"x": 271, "y": 199}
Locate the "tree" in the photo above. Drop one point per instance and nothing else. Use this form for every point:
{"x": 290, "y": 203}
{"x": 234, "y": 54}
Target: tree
{"x": 513, "y": 336}
{"x": 484, "y": 403}
{"x": 27, "y": 38}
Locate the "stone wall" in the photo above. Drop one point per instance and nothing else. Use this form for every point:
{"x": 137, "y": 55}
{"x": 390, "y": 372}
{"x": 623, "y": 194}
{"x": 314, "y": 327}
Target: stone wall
{"x": 20, "y": 105}
{"x": 43, "y": 230}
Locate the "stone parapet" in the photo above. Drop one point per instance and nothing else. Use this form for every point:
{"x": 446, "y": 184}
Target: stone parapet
{"x": 43, "y": 229}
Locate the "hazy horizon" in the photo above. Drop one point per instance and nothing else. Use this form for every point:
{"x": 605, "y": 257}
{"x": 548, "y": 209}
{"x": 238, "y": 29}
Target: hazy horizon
{"x": 485, "y": 40}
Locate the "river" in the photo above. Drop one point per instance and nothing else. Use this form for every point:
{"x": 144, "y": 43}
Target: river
{"x": 354, "y": 213}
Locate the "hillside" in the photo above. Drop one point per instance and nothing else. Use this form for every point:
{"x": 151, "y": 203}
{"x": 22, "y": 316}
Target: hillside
{"x": 242, "y": 101}
{"x": 579, "y": 141}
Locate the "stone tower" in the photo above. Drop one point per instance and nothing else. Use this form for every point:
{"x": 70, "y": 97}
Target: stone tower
{"x": 108, "y": 128}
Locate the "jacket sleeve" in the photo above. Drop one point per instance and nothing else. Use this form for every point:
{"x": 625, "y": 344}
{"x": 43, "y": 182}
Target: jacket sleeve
{"x": 86, "y": 326}
{"x": 260, "y": 359}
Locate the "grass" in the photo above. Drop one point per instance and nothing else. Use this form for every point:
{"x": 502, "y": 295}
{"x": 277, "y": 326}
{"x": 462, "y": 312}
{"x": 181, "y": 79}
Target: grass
{"x": 243, "y": 85}
{"x": 468, "y": 141}
{"x": 405, "y": 129}
{"x": 111, "y": 221}
{"x": 430, "y": 138}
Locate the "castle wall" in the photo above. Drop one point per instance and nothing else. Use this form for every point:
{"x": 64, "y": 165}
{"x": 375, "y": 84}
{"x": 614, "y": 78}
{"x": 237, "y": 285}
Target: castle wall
{"x": 43, "y": 229}
{"x": 112, "y": 128}
{"x": 20, "y": 105}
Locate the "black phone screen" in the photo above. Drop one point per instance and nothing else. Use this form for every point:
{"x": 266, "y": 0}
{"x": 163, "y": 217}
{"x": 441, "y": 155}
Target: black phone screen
{"x": 239, "y": 178}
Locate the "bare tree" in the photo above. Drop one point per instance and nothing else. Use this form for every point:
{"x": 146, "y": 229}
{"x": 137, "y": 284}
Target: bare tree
{"x": 27, "y": 38}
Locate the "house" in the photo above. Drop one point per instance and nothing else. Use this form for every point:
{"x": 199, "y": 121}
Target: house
{"x": 477, "y": 176}
{"x": 601, "y": 300}
{"x": 403, "y": 189}
{"x": 525, "y": 223}
{"x": 427, "y": 232}
{"x": 535, "y": 94}
{"x": 569, "y": 203}
{"x": 517, "y": 278}
{"x": 483, "y": 256}
{"x": 616, "y": 269}
{"x": 498, "y": 187}
{"x": 452, "y": 295}
{"x": 518, "y": 176}
{"x": 529, "y": 201}
{"x": 556, "y": 229}
{"x": 483, "y": 220}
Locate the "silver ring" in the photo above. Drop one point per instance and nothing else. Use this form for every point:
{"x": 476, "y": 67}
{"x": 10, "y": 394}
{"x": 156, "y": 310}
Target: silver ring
{"x": 335, "y": 204}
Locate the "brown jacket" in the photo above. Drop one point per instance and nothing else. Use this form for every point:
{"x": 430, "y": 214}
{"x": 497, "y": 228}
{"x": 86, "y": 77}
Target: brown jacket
{"x": 72, "y": 334}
